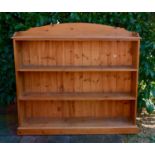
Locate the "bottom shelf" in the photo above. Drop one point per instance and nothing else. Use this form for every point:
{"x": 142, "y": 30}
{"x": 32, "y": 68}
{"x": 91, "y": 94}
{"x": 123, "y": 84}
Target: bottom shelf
{"x": 77, "y": 126}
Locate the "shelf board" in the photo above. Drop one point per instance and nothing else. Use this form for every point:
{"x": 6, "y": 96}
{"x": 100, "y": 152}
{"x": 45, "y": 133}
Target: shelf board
{"x": 76, "y": 96}
{"x": 75, "y": 38}
{"x": 32, "y": 68}
{"x": 45, "y": 126}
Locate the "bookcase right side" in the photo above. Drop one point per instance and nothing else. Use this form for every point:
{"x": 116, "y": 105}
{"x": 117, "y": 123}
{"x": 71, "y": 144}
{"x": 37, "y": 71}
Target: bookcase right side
{"x": 134, "y": 84}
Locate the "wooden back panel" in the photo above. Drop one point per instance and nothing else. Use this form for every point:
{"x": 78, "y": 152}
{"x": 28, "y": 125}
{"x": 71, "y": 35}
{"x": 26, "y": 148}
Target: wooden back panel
{"x": 77, "y": 109}
{"x": 77, "y": 53}
{"x": 77, "y": 82}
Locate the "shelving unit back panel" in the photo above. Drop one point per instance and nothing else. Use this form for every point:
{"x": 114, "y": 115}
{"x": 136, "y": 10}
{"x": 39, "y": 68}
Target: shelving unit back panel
{"x": 77, "y": 53}
{"x": 77, "y": 109}
{"x": 59, "y": 82}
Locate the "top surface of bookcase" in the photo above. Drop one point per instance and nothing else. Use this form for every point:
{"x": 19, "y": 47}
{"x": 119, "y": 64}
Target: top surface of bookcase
{"x": 76, "y": 31}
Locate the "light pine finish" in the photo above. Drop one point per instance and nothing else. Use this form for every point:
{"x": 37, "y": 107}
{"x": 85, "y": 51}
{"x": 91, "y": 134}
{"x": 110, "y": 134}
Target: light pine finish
{"x": 76, "y": 78}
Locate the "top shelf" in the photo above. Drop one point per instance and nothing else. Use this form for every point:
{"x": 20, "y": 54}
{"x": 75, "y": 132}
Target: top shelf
{"x": 75, "y": 38}
{"x": 32, "y": 68}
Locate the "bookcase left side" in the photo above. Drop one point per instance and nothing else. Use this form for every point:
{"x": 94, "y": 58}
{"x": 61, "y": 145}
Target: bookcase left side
{"x": 19, "y": 80}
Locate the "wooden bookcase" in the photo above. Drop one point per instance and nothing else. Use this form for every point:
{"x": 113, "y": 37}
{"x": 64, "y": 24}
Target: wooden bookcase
{"x": 76, "y": 78}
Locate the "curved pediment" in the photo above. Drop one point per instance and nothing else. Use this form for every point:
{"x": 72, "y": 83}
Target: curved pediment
{"x": 76, "y": 31}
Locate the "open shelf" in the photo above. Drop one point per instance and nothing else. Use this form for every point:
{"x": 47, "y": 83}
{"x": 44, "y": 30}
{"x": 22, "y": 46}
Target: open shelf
{"x": 76, "y": 96}
{"x": 32, "y": 68}
{"x": 74, "y": 125}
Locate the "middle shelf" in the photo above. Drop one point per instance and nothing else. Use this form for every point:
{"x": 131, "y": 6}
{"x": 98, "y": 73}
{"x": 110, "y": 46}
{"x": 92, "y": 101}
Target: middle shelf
{"x": 34, "y": 68}
{"x": 76, "y": 96}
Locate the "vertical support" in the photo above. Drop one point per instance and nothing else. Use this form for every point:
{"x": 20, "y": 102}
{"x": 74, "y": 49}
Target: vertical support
{"x": 18, "y": 81}
{"x": 135, "y": 80}
{"x": 137, "y": 76}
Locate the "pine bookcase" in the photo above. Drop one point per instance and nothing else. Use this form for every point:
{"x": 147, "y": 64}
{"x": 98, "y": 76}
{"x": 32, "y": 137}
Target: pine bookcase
{"x": 76, "y": 78}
